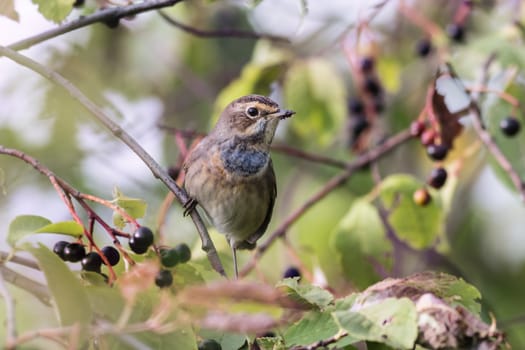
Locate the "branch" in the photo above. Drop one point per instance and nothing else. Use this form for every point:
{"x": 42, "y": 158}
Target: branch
{"x": 222, "y": 33}
{"x": 117, "y": 131}
{"x": 37, "y": 289}
{"x": 332, "y": 184}
{"x": 104, "y": 15}
{"x": 486, "y": 137}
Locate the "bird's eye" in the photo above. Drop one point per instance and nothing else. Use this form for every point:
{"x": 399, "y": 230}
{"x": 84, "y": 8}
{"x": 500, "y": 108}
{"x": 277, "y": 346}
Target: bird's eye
{"x": 252, "y": 111}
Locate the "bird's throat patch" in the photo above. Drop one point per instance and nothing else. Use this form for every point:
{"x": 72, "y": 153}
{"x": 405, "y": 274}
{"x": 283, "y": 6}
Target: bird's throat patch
{"x": 244, "y": 160}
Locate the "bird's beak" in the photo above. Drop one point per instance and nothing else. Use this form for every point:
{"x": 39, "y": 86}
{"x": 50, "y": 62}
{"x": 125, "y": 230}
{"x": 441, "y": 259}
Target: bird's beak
{"x": 281, "y": 114}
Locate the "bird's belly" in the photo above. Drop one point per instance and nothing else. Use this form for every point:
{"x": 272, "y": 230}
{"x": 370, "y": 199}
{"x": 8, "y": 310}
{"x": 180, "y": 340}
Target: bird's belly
{"x": 238, "y": 210}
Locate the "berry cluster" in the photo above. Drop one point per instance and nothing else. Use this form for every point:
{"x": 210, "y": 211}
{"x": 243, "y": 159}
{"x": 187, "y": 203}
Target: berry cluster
{"x": 139, "y": 243}
{"x": 180, "y": 254}
{"x": 362, "y": 110}
{"x": 75, "y": 252}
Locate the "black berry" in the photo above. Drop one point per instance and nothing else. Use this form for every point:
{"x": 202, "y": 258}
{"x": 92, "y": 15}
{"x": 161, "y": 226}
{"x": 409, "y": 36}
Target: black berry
{"x": 423, "y": 47}
{"x": 74, "y": 252}
{"x": 78, "y": 3}
{"x": 456, "y": 32}
{"x": 58, "y": 249}
{"x": 268, "y": 334}
{"x": 209, "y": 344}
{"x": 141, "y": 240}
{"x": 372, "y": 86}
{"x": 422, "y": 197}
{"x": 437, "y": 152}
{"x": 92, "y": 262}
{"x": 355, "y": 106}
{"x": 183, "y": 252}
{"x": 359, "y": 124}
{"x": 111, "y": 254}
{"x": 437, "y": 178}
{"x": 169, "y": 257}
{"x": 367, "y": 64}
{"x": 510, "y": 126}
{"x": 292, "y": 271}
{"x": 164, "y": 279}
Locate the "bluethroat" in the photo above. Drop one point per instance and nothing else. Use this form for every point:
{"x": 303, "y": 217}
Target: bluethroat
{"x": 229, "y": 173}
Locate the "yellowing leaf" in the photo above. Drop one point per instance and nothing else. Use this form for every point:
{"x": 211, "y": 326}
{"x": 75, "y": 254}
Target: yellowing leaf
{"x": 54, "y": 10}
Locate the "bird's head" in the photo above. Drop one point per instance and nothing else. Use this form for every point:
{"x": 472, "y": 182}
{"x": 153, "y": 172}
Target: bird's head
{"x": 251, "y": 117}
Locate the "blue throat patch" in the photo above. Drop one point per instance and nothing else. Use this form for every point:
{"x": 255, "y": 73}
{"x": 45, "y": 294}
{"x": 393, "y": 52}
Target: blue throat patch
{"x": 241, "y": 159}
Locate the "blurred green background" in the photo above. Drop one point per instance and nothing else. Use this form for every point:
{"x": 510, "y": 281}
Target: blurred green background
{"x": 146, "y": 74}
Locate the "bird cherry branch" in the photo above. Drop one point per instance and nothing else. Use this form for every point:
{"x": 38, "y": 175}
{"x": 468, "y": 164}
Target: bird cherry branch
{"x": 487, "y": 138}
{"x": 101, "y": 16}
{"x": 66, "y": 191}
{"x": 338, "y": 180}
{"x": 117, "y": 131}
{"x": 222, "y": 33}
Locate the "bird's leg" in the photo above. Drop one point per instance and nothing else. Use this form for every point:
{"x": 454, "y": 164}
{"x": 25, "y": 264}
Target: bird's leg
{"x": 235, "y": 268}
{"x": 189, "y": 206}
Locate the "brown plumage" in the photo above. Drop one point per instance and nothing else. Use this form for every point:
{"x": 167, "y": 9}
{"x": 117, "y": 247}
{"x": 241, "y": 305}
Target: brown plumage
{"x": 229, "y": 173}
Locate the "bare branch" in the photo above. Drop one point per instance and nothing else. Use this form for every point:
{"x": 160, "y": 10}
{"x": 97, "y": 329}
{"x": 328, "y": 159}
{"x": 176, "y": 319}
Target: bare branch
{"x": 117, "y": 131}
{"x": 223, "y": 33}
{"x": 104, "y": 15}
{"x": 10, "y": 319}
{"x": 37, "y": 289}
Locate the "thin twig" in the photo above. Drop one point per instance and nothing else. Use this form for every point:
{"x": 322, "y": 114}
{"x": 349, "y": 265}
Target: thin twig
{"x": 104, "y": 15}
{"x": 117, "y": 131}
{"x": 332, "y": 184}
{"x": 9, "y": 257}
{"x": 10, "y": 316}
{"x": 321, "y": 344}
{"x": 37, "y": 289}
{"x": 486, "y": 137}
{"x": 221, "y": 33}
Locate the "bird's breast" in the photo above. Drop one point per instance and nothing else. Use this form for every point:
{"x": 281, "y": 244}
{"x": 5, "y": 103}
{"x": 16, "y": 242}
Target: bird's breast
{"x": 240, "y": 159}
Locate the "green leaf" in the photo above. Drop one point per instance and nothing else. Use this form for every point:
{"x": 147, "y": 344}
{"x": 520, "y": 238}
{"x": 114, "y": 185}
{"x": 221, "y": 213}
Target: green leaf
{"x": 23, "y": 226}
{"x": 226, "y": 339}
{"x": 135, "y": 207}
{"x": 391, "y": 321}
{"x": 316, "y": 92}
{"x": 71, "y": 299}
{"x": 7, "y": 9}
{"x": 314, "y": 296}
{"x": 312, "y": 327}
{"x": 358, "y": 237}
{"x": 272, "y": 343}
{"x": 70, "y": 228}
{"x": 418, "y": 226}
{"x": 54, "y": 10}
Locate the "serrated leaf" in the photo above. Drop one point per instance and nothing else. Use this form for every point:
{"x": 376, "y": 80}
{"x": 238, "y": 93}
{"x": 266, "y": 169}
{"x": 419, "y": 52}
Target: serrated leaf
{"x": 71, "y": 299}
{"x": 312, "y": 327}
{"x": 70, "y": 228}
{"x": 316, "y": 92}
{"x": 23, "y": 226}
{"x": 314, "y": 296}
{"x": 418, "y": 226}
{"x": 7, "y": 9}
{"x": 358, "y": 237}
{"x": 54, "y": 10}
{"x": 391, "y": 321}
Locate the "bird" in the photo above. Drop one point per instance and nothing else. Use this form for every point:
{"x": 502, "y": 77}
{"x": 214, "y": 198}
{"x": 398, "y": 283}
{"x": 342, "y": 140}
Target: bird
{"x": 229, "y": 172}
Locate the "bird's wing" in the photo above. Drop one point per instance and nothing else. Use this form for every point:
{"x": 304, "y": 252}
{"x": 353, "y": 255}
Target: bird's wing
{"x": 270, "y": 180}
